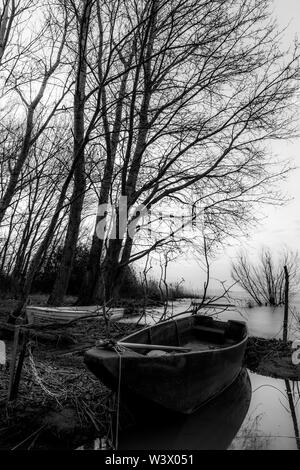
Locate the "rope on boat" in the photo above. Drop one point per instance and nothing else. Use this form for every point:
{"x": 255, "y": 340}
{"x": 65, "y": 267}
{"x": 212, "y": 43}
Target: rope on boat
{"x": 112, "y": 345}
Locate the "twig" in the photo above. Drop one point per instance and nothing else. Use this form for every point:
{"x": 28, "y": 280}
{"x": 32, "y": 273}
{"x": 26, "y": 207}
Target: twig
{"x": 27, "y": 438}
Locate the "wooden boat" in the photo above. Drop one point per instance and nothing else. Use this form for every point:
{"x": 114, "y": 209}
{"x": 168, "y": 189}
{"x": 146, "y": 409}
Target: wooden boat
{"x": 38, "y": 315}
{"x": 176, "y": 364}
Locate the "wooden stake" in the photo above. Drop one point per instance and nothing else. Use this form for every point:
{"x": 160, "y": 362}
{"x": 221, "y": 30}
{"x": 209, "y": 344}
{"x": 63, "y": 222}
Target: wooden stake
{"x": 293, "y": 412}
{"x": 286, "y": 305}
{"x": 17, "y": 378}
{"x": 13, "y": 362}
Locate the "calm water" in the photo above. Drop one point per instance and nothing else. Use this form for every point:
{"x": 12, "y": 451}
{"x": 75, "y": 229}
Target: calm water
{"x": 273, "y": 418}
{"x": 265, "y": 322}
{"x": 256, "y": 412}
{"x": 253, "y": 413}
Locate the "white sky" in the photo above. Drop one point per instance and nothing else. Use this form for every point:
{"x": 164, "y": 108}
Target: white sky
{"x": 281, "y": 226}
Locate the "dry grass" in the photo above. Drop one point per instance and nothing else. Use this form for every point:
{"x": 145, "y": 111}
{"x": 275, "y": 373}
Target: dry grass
{"x": 60, "y": 404}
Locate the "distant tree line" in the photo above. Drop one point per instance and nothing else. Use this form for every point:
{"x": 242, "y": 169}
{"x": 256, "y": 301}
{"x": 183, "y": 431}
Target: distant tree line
{"x": 132, "y": 286}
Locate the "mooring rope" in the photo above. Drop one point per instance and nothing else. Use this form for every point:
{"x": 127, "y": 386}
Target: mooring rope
{"x": 112, "y": 344}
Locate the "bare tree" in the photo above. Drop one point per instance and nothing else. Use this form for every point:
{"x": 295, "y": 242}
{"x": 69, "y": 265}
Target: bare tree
{"x": 76, "y": 205}
{"x": 10, "y": 11}
{"x": 76, "y": 170}
{"x": 265, "y": 281}
{"x": 208, "y": 87}
{"x": 164, "y": 106}
{"x": 35, "y": 197}
{"x": 29, "y": 81}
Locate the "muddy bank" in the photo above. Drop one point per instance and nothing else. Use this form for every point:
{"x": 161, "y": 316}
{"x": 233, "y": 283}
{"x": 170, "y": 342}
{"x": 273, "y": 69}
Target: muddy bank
{"x": 271, "y": 357}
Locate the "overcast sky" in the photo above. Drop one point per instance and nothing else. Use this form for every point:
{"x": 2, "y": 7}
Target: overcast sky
{"x": 281, "y": 225}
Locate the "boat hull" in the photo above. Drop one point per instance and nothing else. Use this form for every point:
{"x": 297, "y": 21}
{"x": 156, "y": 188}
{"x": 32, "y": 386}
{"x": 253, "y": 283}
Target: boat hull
{"x": 180, "y": 382}
{"x": 40, "y": 315}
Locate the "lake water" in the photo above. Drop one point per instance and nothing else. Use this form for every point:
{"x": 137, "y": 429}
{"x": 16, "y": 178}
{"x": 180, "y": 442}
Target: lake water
{"x": 273, "y": 418}
{"x": 253, "y": 413}
{"x": 265, "y": 322}
{"x": 256, "y": 412}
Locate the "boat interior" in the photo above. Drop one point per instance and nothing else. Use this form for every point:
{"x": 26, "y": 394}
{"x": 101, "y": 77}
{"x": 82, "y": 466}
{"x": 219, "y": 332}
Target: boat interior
{"x": 194, "y": 333}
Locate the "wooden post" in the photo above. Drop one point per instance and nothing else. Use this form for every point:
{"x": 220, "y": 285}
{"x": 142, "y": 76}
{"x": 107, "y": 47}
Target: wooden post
{"x": 17, "y": 377}
{"x": 293, "y": 412}
{"x": 13, "y": 362}
{"x": 286, "y": 305}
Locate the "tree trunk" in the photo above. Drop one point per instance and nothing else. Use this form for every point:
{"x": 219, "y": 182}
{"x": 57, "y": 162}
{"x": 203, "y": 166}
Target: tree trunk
{"x": 106, "y": 279}
{"x": 92, "y": 275}
{"x": 4, "y": 31}
{"x": 113, "y": 271}
{"x": 63, "y": 276}
{"x": 91, "y": 291}
{"x": 105, "y": 285}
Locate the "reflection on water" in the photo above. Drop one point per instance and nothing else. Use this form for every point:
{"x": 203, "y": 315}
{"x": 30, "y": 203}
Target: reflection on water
{"x": 254, "y": 413}
{"x": 213, "y": 426}
{"x": 272, "y": 422}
